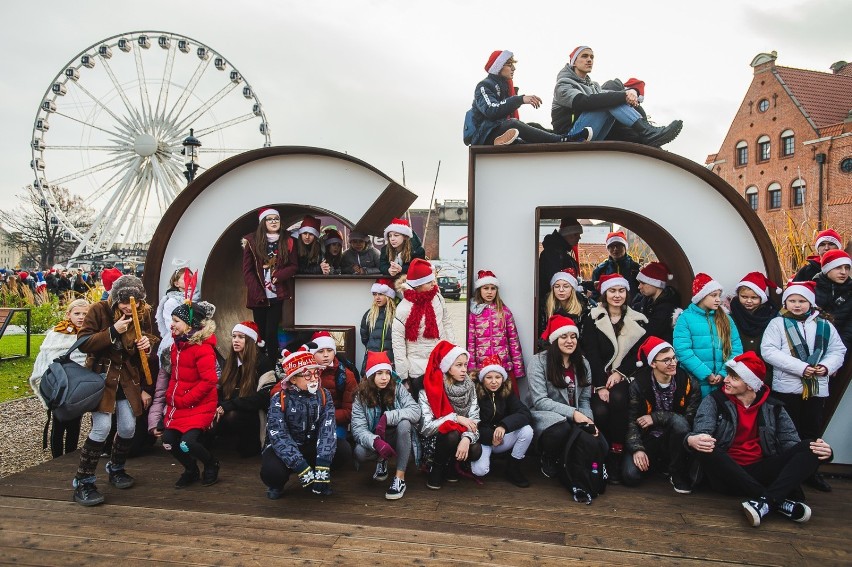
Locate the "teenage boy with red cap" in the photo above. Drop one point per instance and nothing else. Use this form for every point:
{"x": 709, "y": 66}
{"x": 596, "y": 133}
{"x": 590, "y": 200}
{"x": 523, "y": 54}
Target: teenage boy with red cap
{"x": 340, "y": 381}
{"x": 619, "y": 262}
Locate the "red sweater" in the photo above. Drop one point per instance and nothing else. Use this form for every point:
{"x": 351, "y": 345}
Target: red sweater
{"x": 745, "y": 448}
{"x": 342, "y": 400}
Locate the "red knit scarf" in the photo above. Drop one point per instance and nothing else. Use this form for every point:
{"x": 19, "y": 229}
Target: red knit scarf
{"x": 421, "y": 306}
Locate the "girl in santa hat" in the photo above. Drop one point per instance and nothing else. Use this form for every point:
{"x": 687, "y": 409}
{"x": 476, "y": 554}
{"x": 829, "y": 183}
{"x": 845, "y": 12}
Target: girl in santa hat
{"x": 269, "y": 265}
{"x": 751, "y": 311}
{"x": 377, "y": 322}
{"x": 657, "y": 300}
{"x": 491, "y": 329}
{"x": 333, "y": 246}
{"x": 384, "y": 420}
{"x": 308, "y": 247}
{"x": 244, "y": 386}
{"x": 402, "y": 245}
{"x": 565, "y": 298}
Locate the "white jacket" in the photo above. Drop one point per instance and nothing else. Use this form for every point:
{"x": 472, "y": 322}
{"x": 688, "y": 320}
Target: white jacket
{"x": 787, "y": 369}
{"x": 410, "y": 358}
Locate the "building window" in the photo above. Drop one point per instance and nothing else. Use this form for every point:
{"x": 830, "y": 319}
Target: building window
{"x": 846, "y": 165}
{"x": 763, "y": 148}
{"x": 788, "y": 143}
{"x": 751, "y": 197}
{"x": 774, "y": 197}
{"x": 763, "y": 105}
{"x": 742, "y": 153}
{"x": 798, "y": 193}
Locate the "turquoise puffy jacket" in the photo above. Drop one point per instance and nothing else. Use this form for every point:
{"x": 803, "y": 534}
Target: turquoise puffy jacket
{"x": 697, "y": 345}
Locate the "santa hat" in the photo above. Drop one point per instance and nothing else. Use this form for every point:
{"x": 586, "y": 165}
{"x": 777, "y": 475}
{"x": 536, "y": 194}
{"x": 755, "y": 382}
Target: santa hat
{"x": 572, "y": 60}
{"x": 401, "y": 226}
{"x": 377, "y": 361}
{"x": 557, "y": 326}
{"x": 383, "y": 286}
{"x": 566, "y": 275}
{"x": 611, "y": 280}
{"x": 265, "y": 213}
{"x": 828, "y": 236}
{"x": 750, "y": 368}
{"x": 650, "y": 349}
{"x": 497, "y": 60}
{"x": 637, "y": 85}
{"x": 485, "y": 277}
{"x": 294, "y": 362}
{"x": 419, "y": 272}
{"x": 702, "y": 286}
{"x": 249, "y": 329}
{"x": 310, "y": 225}
{"x": 332, "y": 236}
{"x": 433, "y": 384}
{"x": 759, "y": 284}
{"x": 492, "y": 364}
{"x": 616, "y": 238}
{"x": 323, "y": 339}
{"x": 805, "y": 289}
{"x": 656, "y": 274}
{"x": 834, "y": 258}
{"x": 449, "y": 353}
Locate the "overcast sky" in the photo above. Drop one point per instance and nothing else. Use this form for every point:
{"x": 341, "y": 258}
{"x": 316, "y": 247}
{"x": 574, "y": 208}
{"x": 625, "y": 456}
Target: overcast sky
{"x": 389, "y": 81}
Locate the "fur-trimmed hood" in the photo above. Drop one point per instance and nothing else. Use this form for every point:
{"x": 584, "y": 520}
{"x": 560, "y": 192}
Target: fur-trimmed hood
{"x": 207, "y": 330}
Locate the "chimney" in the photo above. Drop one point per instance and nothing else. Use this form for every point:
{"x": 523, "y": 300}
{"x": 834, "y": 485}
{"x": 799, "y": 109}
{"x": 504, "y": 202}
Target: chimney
{"x": 839, "y": 68}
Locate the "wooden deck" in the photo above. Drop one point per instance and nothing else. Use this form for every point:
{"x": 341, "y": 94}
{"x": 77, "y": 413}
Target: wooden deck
{"x": 233, "y": 523}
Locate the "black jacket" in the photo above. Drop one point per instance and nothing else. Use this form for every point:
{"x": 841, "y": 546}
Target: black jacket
{"x": 555, "y": 256}
{"x": 259, "y": 400}
{"x": 659, "y": 312}
{"x": 509, "y": 412}
{"x": 836, "y": 300}
{"x": 687, "y": 398}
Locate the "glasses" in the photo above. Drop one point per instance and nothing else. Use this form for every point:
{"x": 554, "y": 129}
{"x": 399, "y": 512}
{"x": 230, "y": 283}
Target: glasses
{"x": 272, "y": 219}
{"x": 313, "y": 373}
{"x": 667, "y": 361}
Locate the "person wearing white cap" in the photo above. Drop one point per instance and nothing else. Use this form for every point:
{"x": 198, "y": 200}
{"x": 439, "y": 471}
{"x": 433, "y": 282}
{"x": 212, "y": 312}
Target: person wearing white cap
{"x": 564, "y": 297}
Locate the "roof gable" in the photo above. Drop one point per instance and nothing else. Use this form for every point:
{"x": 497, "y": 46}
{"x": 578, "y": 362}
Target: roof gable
{"x": 824, "y": 97}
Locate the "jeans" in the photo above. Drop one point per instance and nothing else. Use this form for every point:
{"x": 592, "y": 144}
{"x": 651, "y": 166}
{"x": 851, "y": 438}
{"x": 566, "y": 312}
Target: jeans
{"x": 602, "y": 120}
{"x": 398, "y": 437}
{"x": 102, "y": 422}
{"x": 517, "y": 441}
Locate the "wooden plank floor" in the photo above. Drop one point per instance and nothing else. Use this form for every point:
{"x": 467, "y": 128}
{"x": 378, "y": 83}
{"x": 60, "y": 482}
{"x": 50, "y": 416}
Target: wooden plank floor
{"x": 233, "y": 523}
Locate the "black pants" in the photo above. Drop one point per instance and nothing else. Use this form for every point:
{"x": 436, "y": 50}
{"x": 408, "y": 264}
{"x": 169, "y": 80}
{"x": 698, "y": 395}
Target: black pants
{"x": 529, "y": 134}
{"x": 554, "y": 439}
{"x": 446, "y": 445}
{"x": 611, "y": 417}
{"x": 267, "y": 319}
{"x": 806, "y": 414}
{"x": 666, "y": 450}
{"x": 64, "y": 436}
{"x": 244, "y": 425}
{"x": 772, "y": 477}
{"x": 186, "y": 448}
{"x": 275, "y": 474}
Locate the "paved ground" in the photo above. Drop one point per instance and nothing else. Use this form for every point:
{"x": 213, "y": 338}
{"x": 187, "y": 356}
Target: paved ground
{"x": 458, "y": 314}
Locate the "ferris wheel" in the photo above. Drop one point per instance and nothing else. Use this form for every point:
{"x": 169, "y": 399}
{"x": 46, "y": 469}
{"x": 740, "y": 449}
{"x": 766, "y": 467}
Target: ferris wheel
{"x": 111, "y": 127}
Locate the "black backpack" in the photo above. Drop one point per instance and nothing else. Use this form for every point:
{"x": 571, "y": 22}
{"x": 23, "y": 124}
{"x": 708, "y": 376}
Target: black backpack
{"x": 582, "y": 469}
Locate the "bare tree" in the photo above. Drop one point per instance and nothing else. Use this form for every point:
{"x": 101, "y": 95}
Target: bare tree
{"x": 37, "y": 233}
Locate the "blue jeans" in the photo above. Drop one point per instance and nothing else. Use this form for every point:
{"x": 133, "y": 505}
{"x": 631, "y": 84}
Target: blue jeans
{"x": 601, "y": 121}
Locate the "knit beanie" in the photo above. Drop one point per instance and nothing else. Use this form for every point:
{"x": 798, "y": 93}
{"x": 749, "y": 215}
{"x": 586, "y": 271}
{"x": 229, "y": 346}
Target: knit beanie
{"x": 750, "y": 368}
{"x": 656, "y": 274}
{"x": 759, "y": 284}
{"x": 194, "y": 314}
{"x": 702, "y": 286}
{"x": 570, "y": 225}
{"x": 492, "y": 364}
{"x": 557, "y": 326}
{"x": 833, "y": 259}
{"x": 805, "y": 289}
{"x": 294, "y": 362}
{"x": 650, "y": 349}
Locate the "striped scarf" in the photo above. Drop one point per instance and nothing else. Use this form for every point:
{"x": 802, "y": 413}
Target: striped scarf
{"x": 799, "y": 346}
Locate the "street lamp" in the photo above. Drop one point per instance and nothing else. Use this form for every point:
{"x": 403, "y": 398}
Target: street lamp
{"x": 190, "y": 150}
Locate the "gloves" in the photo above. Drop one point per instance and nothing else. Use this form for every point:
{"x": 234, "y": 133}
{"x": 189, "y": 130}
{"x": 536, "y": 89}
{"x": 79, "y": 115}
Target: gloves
{"x": 382, "y": 425}
{"x": 307, "y": 477}
{"x": 384, "y": 450}
{"x": 322, "y": 481}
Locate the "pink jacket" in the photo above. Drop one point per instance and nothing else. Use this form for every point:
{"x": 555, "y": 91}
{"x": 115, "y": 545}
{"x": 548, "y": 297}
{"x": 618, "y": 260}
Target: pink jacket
{"x": 487, "y": 335}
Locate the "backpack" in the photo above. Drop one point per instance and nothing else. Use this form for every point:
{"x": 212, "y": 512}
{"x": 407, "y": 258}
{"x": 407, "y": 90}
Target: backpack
{"x": 582, "y": 468}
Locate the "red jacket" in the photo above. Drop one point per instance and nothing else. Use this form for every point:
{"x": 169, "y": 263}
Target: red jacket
{"x": 344, "y": 397}
{"x": 253, "y": 273}
{"x": 191, "y": 397}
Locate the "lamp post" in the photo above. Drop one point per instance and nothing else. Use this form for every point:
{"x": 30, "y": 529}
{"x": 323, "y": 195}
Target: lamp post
{"x": 190, "y": 150}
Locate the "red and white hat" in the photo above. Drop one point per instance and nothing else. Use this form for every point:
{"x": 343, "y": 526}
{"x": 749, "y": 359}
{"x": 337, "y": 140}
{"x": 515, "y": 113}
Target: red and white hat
{"x": 828, "y": 236}
{"x": 702, "y": 286}
{"x": 805, "y": 289}
{"x": 637, "y": 85}
{"x": 249, "y": 329}
{"x": 572, "y": 60}
{"x": 448, "y": 353}
{"x": 332, "y": 236}
{"x": 383, "y": 286}
{"x": 497, "y": 60}
{"x": 323, "y": 339}
{"x": 566, "y": 275}
{"x": 656, "y": 274}
{"x": 485, "y": 277}
{"x": 611, "y": 280}
{"x": 616, "y": 238}
{"x": 750, "y": 368}
{"x": 401, "y": 226}
{"x": 294, "y": 362}
{"x": 377, "y": 361}
{"x": 419, "y": 272}
{"x": 759, "y": 284}
{"x": 265, "y": 213}
{"x": 311, "y": 225}
{"x": 650, "y": 349}
{"x": 492, "y": 364}
{"x": 557, "y": 326}
{"x": 833, "y": 259}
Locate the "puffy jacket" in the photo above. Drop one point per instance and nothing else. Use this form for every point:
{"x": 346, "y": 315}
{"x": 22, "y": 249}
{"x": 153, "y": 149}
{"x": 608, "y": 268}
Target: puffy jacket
{"x": 606, "y": 352}
{"x": 509, "y": 412}
{"x": 492, "y": 104}
{"x": 410, "y": 358}
{"x": 836, "y": 300}
{"x": 305, "y": 421}
{"x": 368, "y": 258}
{"x": 253, "y": 273}
{"x": 191, "y": 397}
{"x": 378, "y": 339}
{"x": 687, "y": 398}
{"x": 550, "y": 405}
{"x": 696, "y": 343}
{"x": 572, "y": 96}
{"x": 417, "y": 251}
{"x": 429, "y": 424}
{"x": 660, "y": 312}
{"x": 488, "y": 334}
{"x": 364, "y": 418}
{"x": 343, "y": 394}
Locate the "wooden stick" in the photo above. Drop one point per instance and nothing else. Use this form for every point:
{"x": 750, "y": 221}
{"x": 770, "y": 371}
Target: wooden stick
{"x": 143, "y": 356}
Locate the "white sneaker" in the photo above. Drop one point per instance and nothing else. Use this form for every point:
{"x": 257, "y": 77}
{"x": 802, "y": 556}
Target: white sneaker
{"x": 755, "y": 511}
{"x": 396, "y": 490}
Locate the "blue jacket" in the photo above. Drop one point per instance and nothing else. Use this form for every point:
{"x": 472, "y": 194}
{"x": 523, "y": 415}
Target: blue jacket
{"x": 304, "y": 421}
{"x": 697, "y": 345}
{"x": 492, "y": 104}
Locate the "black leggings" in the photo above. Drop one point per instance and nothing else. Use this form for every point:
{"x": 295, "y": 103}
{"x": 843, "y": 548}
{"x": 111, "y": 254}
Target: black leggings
{"x": 186, "y": 448}
{"x": 267, "y": 319}
{"x": 245, "y": 426}
{"x": 611, "y": 417}
{"x": 64, "y": 436}
{"x": 446, "y": 445}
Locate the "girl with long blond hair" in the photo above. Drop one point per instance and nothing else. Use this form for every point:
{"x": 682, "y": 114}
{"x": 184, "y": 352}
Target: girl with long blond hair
{"x": 377, "y": 322}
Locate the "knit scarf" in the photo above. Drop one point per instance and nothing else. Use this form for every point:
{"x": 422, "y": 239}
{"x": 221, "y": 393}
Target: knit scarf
{"x": 752, "y": 323}
{"x": 459, "y": 394}
{"x": 66, "y": 327}
{"x": 421, "y": 306}
{"x": 799, "y": 346}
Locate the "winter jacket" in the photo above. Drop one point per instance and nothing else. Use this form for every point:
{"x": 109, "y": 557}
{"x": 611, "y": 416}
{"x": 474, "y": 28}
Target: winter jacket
{"x": 606, "y": 352}
{"x": 751, "y": 325}
{"x": 696, "y": 343}
{"x": 172, "y": 299}
{"x": 410, "y": 358}
{"x": 809, "y": 271}
{"x": 364, "y": 418}
{"x": 368, "y": 259}
{"x": 555, "y": 256}
{"x": 550, "y": 405}
{"x": 626, "y": 266}
{"x": 687, "y": 398}
{"x": 572, "y": 96}
{"x": 492, "y": 104}
{"x": 429, "y": 424}
{"x": 55, "y": 344}
{"x": 510, "y": 413}
{"x": 379, "y": 339}
{"x": 585, "y": 307}
{"x": 191, "y": 397}
{"x": 787, "y": 369}
{"x": 340, "y": 381}
{"x": 488, "y": 334}
{"x": 660, "y": 312}
{"x": 836, "y": 300}
{"x": 257, "y": 400}
{"x": 253, "y": 273}
{"x": 305, "y": 421}
{"x": 417, "y": 251}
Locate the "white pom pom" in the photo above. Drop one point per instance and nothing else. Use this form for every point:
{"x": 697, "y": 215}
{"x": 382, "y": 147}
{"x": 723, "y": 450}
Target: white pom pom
{"x": 639, "y": 364}
{"x": 670, "y": 277}
{"x": 778, "y": 290}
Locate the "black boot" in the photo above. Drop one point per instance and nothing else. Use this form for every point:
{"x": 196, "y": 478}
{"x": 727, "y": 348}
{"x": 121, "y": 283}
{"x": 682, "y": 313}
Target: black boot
{"x": 436, "y": 477}
{"x": 656, "y": 136}
{"x": 514, "y": 473}
{"x": 85, "y": 491}
{"x": 115, "y": 467}
{"x": 818, "y": 482}
{"x": 210, "y": 474}
{"x": 86, "y": 494}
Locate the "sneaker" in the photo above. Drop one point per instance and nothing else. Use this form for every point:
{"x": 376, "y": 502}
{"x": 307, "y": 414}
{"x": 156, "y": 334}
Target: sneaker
{"x": 584, "y": 135}
{"x": 507, "y": 137}
{"x": 755, "y": 511}
{"x": 381, "y": 470}
{"x": 211, "y": 474}
{"x": 119, "y": 478}
{"x": 796, "y": 511}
{"x": 187, "y": 478}
{"x": 396, "y": 490}
{"x": 274, "y": 493}
{"x": 434, "y": 479}
{"x": 548, "y": 466}
{"x": 680, "y": 484}
{"x": 86, "y": 494}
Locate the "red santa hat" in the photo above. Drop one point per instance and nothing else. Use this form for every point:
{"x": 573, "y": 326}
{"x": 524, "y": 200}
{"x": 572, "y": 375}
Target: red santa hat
{"x": 249, "y": 329}
{"x": 497, "y": 60}
{"x": 311, "y": 225}
{"x": 433, "y": 384}
{"x": 383, "y": 286}
{"x": 485, "y": 277}
{"x": 323, "y": 339}
{"x": 294, "y": 362}
{"x": 557, "y": 326}
{"x": 656, "y": 274}
{"x": 805, "y": 289}
{"x": 566, "y": 275}
{"x": 332, "y": 236}
{"x": 377, "y": 361}
{"x": 401, "y": 226}
{"x": 419, "y": 272}
{"x": 572, "y": 60}
{"x": 265, "y": 213}
{"x": 834, "y": 258}
{"x": 702, "y": 286}
{"x": 750, "y": 368}
{"x": 492, "y": 364}
{"x": 611, "y": 280}
{"x": 828, "y": 236}
{"x": 650, "y": 349}
{"x": 450, "y": 354}
{"x": 616, "y": 238}
{"x": 759, "y": 284}
{"x": 637, "y": 85}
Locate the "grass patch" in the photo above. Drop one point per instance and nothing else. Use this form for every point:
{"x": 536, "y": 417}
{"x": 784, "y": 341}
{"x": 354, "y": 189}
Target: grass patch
{"x": 15, "y": 374}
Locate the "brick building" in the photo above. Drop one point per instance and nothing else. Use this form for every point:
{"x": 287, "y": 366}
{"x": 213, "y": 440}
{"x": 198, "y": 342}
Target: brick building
{"x": 789, "y": 153}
